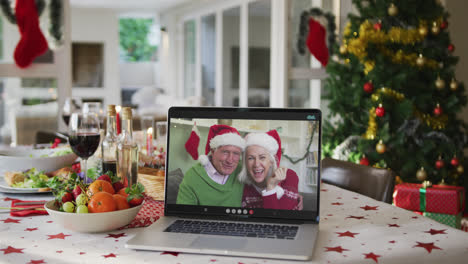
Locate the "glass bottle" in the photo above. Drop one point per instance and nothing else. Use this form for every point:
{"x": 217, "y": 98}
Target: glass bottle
{"x": 109, "y": 143}
{"x": 127, "y": 151}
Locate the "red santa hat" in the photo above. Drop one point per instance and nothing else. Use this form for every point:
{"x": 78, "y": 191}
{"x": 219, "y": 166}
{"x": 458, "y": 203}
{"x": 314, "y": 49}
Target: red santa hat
{"x": 270, "y": 141}
{"x": 218, "y": 135}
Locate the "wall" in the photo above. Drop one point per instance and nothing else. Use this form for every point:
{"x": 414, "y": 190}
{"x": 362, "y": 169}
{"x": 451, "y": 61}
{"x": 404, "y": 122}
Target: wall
{"x": 99, "y": 26}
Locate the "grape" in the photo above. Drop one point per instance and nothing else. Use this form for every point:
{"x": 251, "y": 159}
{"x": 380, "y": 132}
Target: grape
{"x": 81, "y": 199}
{"x": 69, "y": 207}
{"x": 82, "y": 209}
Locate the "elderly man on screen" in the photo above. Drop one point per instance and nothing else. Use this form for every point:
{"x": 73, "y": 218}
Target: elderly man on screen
{"x": 213, "y": 179}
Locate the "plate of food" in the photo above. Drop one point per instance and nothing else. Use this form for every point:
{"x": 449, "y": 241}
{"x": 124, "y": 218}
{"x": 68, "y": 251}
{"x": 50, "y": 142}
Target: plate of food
{"x": 31, "y": 181}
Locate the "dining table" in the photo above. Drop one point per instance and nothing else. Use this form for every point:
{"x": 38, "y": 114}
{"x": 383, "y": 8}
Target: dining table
{"x": 353, "y": 228}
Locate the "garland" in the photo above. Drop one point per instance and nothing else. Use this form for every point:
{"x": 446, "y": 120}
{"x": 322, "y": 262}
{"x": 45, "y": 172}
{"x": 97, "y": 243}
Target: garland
{"x": 55, "y": 15}
{"x": 307, "y": 149}
{"x": 303, "y": 29}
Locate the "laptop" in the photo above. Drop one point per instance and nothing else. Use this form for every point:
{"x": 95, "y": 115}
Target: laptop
{"x": 247, "y": 216}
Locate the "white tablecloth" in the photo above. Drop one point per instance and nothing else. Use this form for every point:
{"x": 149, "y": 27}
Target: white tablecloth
{"x": 353, "y": 229}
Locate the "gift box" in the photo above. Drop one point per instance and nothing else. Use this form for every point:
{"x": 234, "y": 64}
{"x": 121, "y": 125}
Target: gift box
{"x": 442, "y": 199}
{"x": 447, "y": 219}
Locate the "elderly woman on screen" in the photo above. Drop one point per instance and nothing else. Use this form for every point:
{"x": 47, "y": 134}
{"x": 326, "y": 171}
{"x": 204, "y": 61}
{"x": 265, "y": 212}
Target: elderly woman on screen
{"x": 266, "y": 184}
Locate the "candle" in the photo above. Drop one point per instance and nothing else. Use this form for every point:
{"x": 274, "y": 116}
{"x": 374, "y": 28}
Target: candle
{"x": 117, "y": 119}
{"x": 149, "y": 141}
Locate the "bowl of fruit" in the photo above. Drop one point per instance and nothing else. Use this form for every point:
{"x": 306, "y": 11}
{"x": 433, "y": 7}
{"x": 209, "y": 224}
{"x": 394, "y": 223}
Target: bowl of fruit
{"x": 95, "y": 207}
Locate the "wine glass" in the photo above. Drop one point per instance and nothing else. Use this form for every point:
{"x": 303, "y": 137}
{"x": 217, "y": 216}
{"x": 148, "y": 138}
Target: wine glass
{"x": 84, "y": 136}
{"x": 94, "y": 107}
{"x": 70, "y": 105}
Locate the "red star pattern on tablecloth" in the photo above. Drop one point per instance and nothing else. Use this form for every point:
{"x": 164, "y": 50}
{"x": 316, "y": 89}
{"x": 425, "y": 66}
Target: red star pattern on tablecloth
{"x": 338, "y": 249}
{"x": 393, "y": 225}
{"x": 111, "y": 255}
{"x": 10, "y": 220}
{"x": 337, "y": 203}
{"x": 116, "y": 235}
{"x": 392, "y": 241}
{"x": 10, "y": 249}
{"x": 428, "y": 246}
{"x": 435, "y": 232}
{"x": 170, "y": 253}
{"x": 59, "y": 251}
{"x": 373, "y": 256}
{"x": 36, "y": 261}
{"x": 58, "y": 236}
{"x": 346, "y": 234}
{"x": 356, "y": 217}
{"x": 213, "y": 260}
{"x": 82, "y": 253}
{"x": 367, "y": 207}
{"x": 31, "y": 229}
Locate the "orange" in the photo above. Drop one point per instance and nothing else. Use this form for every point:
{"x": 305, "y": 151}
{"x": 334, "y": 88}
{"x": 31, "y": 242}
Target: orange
{"x": 102, "y": 202}
{"x": 100, "y": 186}
{"x": 121, "y": 201}
{"x": 122, "y": 192}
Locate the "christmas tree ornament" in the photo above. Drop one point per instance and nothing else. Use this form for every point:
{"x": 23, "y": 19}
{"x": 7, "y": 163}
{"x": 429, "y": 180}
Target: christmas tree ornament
{"x": 368, "y": 87}
{"x": 460, "y": 169}
{"x": 422, "y": 30}
{"x": 378, "y": 26}
{"x": 364, "y": 161}
{"x": 435, "y": 29}
{"x": 421, "y": 174}
{"x": 454, "y": 162}
{"x": 442, "y": 182}
{"x": 380, "y": 147}
{"x": 426, "y": 184}
{"x": 437, "y": 110}
{"x": 439, "y": 164}
{"x": 420, "y": 61}
{"x": 343, "y": 49}
{"x": 439, "y": 83}
{"x": 392, "y": 10}
{"x": 375, "y": 97}
{"x": 444, "y": 24}
{"x": 451, "y": 47}
{"x": 453, "y": 85}
{"x": 380, "y": 111}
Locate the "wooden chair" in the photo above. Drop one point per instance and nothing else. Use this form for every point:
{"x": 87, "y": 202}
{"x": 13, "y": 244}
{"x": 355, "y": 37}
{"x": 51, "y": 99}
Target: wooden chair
{"x": 369, "y": 181}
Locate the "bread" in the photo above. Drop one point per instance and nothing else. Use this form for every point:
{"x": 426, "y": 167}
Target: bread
{"x": 63, "y": 172}
{"x": 12, "y": 177}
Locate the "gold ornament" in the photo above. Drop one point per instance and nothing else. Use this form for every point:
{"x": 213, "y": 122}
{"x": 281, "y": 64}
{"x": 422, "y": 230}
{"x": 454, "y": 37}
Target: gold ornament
{"x": 375, "y": 97}
{"x": 442, "y": 182}
{"x": 460, "y": 169}
{"x": 421, "y": 174}
{"x": 420, "y": 60}
{"x": 422, "y": 30}
{"x": 435, "y": 28}
{"x": 392, "y": 10}
{"x": 426, "y": 184}
{"x": 380, "y": 147}
{"x": 439, "y": 83}
{"x": 453, "y": 85}
{"x": 343, "y": 49}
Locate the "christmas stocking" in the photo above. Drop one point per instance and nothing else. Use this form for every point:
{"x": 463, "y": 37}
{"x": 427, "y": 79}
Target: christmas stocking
{"x": 316, "y": 42}
{"x": 32, "y": 42}
{"x": 192, "y": 143}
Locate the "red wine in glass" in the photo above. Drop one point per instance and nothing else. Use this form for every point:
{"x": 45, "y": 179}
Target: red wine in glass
{"x": 84, "y": 144}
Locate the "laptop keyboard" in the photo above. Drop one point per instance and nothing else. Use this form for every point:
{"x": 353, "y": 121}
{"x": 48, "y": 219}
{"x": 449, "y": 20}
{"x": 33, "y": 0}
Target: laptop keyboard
{"x": 233, "y": 229}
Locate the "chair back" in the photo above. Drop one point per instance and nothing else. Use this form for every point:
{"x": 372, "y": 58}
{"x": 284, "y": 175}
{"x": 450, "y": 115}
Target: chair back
{"x": 369, "y": 181}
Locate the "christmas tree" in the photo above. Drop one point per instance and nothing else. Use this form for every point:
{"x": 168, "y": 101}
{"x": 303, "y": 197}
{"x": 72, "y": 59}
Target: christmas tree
{"x": 393, "y": 94}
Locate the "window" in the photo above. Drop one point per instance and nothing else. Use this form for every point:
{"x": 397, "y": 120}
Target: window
{"x": 138, "y": 38}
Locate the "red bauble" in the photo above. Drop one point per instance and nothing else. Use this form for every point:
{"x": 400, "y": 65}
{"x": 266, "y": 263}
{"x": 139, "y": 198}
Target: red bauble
{"x": 439, "y": 164}
{"x": 364, "y": 161}
{"x": 444, "y": 25}
{"x": 368, "y": 87}
{"x": 378, "y": 26}
{"x": 454, "y": 161}
{"x": 451, "y": 47}
{"x": 380, "y": 111}
{"x": 438, "y": 111}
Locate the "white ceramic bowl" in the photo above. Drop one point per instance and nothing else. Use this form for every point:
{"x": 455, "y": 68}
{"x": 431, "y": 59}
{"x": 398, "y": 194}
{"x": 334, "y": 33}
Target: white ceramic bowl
{"x": 20, "y": 159}
{"x": 92, "y": 222}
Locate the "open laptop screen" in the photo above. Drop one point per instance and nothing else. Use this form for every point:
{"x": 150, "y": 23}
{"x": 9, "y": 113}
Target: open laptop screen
{"x": 243, "y": 162}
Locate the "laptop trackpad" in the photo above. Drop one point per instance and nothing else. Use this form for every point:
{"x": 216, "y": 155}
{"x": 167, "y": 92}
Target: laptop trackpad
{"x": 219, "y": 243}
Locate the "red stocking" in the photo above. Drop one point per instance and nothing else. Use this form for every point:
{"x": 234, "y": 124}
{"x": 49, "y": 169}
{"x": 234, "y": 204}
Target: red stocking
{"x": 316, "y": 42}
{"x": 32, "y": 42}
{"x": 192, "y": 143}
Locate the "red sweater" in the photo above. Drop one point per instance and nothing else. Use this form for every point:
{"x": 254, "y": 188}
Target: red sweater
{"x": 251, "y": 198}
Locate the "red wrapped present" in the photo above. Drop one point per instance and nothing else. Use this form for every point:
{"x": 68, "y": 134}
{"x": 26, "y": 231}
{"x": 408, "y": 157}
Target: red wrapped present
{"x": 440, "y": 199}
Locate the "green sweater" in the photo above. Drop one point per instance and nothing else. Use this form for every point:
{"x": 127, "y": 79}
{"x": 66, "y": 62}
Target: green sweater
{"x": 197, "y": 188}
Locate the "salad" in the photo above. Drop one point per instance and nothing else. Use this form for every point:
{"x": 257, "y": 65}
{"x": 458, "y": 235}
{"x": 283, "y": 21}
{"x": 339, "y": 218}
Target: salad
{"x": 32, "y": 179}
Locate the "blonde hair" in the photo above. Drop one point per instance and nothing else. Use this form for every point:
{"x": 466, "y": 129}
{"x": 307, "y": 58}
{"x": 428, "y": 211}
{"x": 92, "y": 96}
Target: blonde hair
{"x": 244, "y": 176}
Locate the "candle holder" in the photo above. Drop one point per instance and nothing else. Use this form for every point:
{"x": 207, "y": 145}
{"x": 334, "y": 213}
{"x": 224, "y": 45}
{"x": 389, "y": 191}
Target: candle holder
{"x": 147, "y": 125}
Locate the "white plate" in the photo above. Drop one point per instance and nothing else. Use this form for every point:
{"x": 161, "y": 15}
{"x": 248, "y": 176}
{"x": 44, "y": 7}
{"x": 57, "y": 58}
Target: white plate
{"x": 5, "y": 188}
